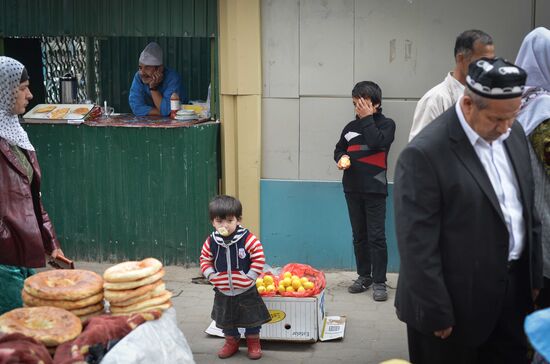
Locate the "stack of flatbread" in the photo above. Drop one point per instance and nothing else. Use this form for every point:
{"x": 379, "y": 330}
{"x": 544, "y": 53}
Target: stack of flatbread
{"x": 136, "y": 287}
{"x": 77, "y": 291}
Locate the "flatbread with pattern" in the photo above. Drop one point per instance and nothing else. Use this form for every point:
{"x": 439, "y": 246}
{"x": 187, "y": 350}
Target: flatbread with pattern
{"x": 45, "y": 109}
{"x": 32, "y": 301}
{"x": 81, "y": 110}
{"x": 50, "y": 325}
{"x": 59, "y": 113}
{"x": 159, "y": 308}
{"x": 133, "y": 284}
{"x": 150, "y": 290}
{"x": 139, "y": 306}
{"x": 87, "y": 310}
{"x": 64, "y": 284}
{"x": 131, "y": 271}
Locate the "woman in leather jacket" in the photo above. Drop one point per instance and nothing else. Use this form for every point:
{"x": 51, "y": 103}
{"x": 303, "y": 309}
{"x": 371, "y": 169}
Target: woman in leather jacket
{"x": 26, "y": 232}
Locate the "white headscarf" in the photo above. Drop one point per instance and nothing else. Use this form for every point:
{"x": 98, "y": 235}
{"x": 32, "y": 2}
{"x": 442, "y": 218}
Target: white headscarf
{"x": 10, "y": 129}
{"x": 534, "y": 58}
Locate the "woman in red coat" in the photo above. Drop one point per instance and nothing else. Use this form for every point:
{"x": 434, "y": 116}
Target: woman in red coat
{"x": 26, "y": 232}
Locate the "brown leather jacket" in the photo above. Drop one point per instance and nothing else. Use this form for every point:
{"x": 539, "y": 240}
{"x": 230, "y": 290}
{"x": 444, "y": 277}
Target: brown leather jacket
{"x": 26, "y": 232}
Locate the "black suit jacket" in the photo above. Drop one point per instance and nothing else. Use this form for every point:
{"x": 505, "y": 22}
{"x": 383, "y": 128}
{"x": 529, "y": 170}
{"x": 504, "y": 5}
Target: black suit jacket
{"x": 451, "y": 233}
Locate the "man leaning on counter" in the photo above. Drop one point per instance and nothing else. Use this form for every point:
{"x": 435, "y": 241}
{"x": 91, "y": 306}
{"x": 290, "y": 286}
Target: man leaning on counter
{"x": 154, "y": 84}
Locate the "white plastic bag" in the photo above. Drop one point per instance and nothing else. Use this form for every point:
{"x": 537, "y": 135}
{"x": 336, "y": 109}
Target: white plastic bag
{"x": 159, "y": 341}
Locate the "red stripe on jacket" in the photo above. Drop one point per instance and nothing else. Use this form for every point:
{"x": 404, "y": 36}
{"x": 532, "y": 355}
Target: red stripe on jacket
{"x": 378, "y": 159}
{"x": 354, "y": 148}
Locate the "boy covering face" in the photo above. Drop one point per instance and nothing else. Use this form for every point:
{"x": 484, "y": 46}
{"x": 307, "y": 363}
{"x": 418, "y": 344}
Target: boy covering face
{"x": 362, "y": 153}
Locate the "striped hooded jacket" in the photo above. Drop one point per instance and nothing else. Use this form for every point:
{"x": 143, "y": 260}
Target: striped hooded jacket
{"x": 234, "y": 265}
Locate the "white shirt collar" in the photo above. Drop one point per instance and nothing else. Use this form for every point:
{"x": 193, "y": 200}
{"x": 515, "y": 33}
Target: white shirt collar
{"x": 474, "y": 137}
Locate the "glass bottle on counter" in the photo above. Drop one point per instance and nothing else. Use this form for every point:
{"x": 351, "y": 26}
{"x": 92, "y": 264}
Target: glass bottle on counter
{"x": 175, "y": 105}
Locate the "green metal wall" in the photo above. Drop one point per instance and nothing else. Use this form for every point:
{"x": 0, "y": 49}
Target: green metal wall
{"x": 119, "y": 62}
{"x": 186, "y": 29}
{"x": 113, "y": 18}
{"x": 117, "y": 194}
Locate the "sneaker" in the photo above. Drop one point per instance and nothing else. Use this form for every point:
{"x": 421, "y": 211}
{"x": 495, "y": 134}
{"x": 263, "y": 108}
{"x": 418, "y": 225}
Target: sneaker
{"x": 379, "y": 292}
{"x": 361, "y": 284}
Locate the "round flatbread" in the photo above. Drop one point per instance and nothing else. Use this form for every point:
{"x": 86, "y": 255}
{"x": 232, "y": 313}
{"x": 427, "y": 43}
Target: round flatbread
{"x": 87, "y": 310}
{"x": 81, "y": 110}
{"x": 134, "y": 284}
{"x": 59, "y": 113}
{"x": 115, "y": 297}
{"x": 85, "y": 318}
{"x": 64, "y": 284}
{"x": 139, "y": 306}
{"x": 162, "y": 307}
{"x": 45, "y": 109}
{"x": 50, "y": 325}
{"x": 155, "y": 292}
{"x": 132, "y": 271}
{"x": 32, "y": 301}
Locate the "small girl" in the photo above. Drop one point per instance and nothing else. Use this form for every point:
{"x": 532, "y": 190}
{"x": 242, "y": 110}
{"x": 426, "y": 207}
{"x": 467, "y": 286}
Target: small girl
{"x": 231, "y": 259}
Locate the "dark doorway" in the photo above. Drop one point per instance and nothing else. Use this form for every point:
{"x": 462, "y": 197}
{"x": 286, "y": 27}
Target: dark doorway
{"x": 27, "y": 51}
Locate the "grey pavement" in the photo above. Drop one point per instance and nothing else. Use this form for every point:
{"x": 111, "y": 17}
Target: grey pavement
{"x": 373, "y": 332}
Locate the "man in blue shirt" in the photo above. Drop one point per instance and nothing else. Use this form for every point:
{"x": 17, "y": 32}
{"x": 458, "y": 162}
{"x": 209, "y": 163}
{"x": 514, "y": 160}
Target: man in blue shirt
{"x": 153, "y": 84}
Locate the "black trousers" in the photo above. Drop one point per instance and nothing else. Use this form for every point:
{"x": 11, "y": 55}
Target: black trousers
{"x": 507, "y": 344}
{"x": 367, "y": 214}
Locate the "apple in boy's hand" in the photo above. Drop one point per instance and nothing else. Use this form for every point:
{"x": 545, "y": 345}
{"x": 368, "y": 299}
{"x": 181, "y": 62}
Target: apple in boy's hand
{"x": 344, "y": 162}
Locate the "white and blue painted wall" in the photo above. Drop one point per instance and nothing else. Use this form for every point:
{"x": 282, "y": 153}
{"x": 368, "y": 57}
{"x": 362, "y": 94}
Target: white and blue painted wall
{"x": 313, "y": 52}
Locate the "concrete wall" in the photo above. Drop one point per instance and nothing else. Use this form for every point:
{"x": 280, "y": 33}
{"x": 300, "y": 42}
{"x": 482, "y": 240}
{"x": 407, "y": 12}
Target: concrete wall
{"x": 314, "y": 51}
{"x": 542, "y": 13}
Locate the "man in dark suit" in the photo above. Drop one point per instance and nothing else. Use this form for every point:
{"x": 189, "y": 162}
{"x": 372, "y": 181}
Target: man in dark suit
{"x": 468, "y": 240}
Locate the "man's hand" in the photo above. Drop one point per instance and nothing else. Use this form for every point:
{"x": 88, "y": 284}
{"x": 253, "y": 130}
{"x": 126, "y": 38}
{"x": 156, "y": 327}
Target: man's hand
{"x": 364, "y": 108}
{"x": 535, "y": 293}
{"x": 445, "y": 333}
{"x": 156, "y": 78}
{"x": 343, "y": 162}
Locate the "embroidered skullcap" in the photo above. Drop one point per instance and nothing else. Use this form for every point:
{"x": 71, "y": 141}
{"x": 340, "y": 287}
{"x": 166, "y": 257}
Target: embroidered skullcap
{"x": 496, "y": 78}
{"x": 151, "y": 55}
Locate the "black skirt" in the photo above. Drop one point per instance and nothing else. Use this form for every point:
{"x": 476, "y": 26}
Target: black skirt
{"x": 244, "y": 310}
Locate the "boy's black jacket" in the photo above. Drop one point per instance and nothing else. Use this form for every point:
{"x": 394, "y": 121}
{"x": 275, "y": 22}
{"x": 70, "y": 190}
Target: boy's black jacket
{"x": 367, "y": 141}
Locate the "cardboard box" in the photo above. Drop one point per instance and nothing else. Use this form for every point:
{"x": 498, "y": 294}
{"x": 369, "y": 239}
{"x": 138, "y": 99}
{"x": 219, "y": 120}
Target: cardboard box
{"x": 297, "y": 319}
